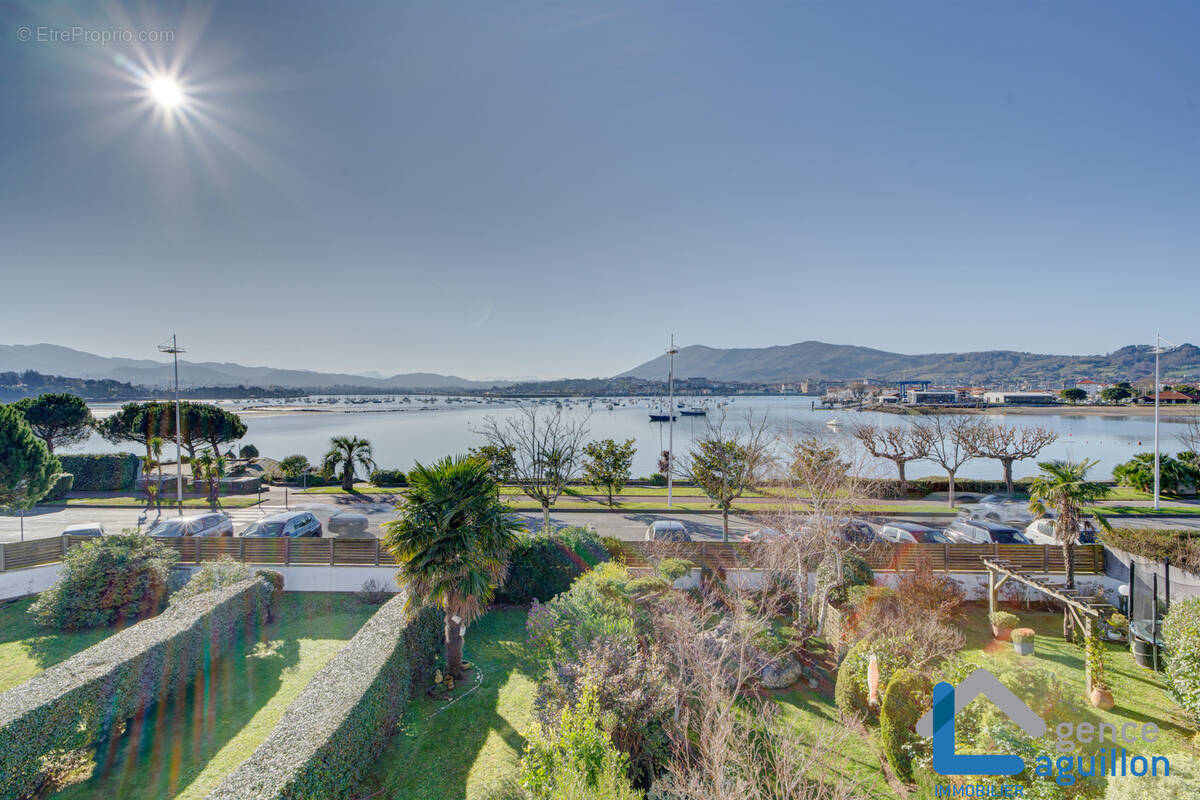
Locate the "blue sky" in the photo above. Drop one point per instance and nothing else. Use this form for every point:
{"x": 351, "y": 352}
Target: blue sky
{"x": 551, "y": 188}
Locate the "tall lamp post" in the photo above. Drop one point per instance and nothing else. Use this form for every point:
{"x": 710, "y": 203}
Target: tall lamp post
{"x": 1158, "y": 350}
{"x": 174, "y": 349}
{"x": 671, "y": 351}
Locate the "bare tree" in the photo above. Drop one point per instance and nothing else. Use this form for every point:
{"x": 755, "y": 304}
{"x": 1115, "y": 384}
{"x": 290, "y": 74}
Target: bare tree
{"x": 546, "y": 450}
{"x": 899, "y": 444}
{"x": 727, "y": 462}
{"x": 1189, "y": 436}
{"x": 948, "y": 443}
{"x": 1007, "y": 444}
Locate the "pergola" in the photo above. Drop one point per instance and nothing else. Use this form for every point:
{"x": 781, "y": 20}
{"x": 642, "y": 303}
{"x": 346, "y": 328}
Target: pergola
{"x": 1084, "y": 613}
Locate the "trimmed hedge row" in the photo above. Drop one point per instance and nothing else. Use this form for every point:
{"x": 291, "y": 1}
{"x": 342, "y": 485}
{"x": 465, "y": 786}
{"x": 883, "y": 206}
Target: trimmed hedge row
{"x": 107, "y": 472}
{"x": 60, "y": 488}
{"x": 340, "y": 723}
{"x": 80, "y": 701}
{"x": 542, "y": 566}
{"x": 387, "y": 477}
{"x": 1182, "y": 547}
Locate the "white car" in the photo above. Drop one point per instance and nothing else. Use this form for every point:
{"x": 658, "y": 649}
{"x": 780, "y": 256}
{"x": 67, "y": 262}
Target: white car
{"x": 667, "y": 530}
{"x": 84, "y": 529}
{"x": 1041, "y": 531}
{"x": 911, "y": 533}
{"x": 213, "y": 524}
{"x": 999, "y": 508}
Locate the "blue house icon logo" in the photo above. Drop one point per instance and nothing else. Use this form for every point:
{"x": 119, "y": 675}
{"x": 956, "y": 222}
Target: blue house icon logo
{"x": 948, "y": 700}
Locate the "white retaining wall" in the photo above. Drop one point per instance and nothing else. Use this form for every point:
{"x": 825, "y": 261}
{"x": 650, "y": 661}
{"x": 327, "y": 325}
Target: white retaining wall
{"x": 328, "y": 579}
{"x": 16, "y": 583}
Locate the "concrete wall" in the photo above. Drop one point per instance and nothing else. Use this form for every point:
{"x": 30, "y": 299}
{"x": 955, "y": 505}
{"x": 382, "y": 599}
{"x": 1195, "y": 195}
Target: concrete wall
{"x": 328, "y": 579}
{"x": 16, "y": 583}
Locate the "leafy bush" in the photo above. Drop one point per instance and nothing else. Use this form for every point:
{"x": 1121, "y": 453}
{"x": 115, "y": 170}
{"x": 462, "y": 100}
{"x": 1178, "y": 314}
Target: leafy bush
{"x": 213, "y": 575}
{"x": 575, "y": 758}
{"x": 855, "y": 572}
{"x": 1022, "y": 635}
{"x": 658, "y": 479}
{"x": 850, "y": 692}
{"x": 388, "y": 477}
{"x": 275, "y": 579}
{"x": 61, "y": 487}
{"x": 293, "y": 466}
{"x": 924, "y": 590}
{"x": 908, "y": 695}
{"x": 1181, "y": 547}
{"x": 1138, "y": 472}
{"x": 672, "y": 569}
{"x": 115, "y": 578}
{"x": 1181, "y": 634}
{"x": 544, "y": 564}
{"x": 107, "y": 472}
{"x": 77, "y": 702}
{"x": 248, "y": 451}
{"x": 1004, "y": 620}
{"x": 330, "y": 735}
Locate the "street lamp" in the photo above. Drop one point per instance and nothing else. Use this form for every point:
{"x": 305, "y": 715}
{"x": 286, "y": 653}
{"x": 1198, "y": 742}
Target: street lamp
{"x": 1158, "y": 350}
{"x": 671, "y": 351}
{"x": 174, "y": 349}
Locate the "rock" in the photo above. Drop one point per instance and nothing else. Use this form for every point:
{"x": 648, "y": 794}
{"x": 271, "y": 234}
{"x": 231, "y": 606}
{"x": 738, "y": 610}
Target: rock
{"x": 781, "y": 673}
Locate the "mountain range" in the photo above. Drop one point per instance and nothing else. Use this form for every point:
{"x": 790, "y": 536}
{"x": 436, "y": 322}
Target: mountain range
{"x": 56, "y": 360}
{"x": 837, "y": 362}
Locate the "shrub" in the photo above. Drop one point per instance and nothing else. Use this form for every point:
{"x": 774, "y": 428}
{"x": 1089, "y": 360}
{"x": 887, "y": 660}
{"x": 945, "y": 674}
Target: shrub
{"x": 658, "y": 479}
{"x": 115, "y": 578}
{"x": 330, "y": 735}
{"x": 575, "y": 758}
{"x": 63, "y": 483}
{"x": 77, "y": 702}
{"x": 855, "y": 572}
{"x": 1181, "y": 635}
{"x": 544, "y": 564}
{"x": 292, "y": 467}
{"x": 907, "y": 697}
{"x": 923, "y": 590}
{"x": 388, "y": 477}
{"x": 672, "y": 569}
{"x": 374, "y": 593}
{"x": 1004, "y": 620}
{"x": 248, "y": 451}
{"x": 1181, "y": 547}
{"x": 213, "y": 575}
{"x": 108, "y": 472}
{"x": 850, "y": 692}
{"x": 1022, "y": 635}
{"x": 275, "y": 579}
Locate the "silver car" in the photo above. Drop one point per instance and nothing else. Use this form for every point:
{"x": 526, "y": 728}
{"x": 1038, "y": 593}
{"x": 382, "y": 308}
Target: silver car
{"x": 290, "y": 524}
{"x": 211, "y": 524}
{"x": 999, "y": 508}
{"x": 667, "y": 530}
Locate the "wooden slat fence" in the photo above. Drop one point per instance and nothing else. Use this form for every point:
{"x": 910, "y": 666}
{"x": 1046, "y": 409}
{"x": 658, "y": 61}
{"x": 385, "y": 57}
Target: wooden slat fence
{"x": 1089, "y": 559}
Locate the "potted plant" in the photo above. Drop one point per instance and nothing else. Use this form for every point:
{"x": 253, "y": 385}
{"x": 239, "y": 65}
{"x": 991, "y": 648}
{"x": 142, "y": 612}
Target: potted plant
{"x": 1002, "y": 623}
{"x": 1022, "y": 639}
{"x": 1118, "y": 627}
{"x": 1100, "y": 696}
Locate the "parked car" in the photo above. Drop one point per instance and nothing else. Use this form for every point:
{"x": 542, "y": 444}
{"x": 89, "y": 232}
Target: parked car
{"x": 212, "y": 524}
{"x": 999, "y": 508}
{"x": 290, "y": 524}
{"x": 982, "y": 531}
{"x": 667, "y": 530}
{"x": 900, "y": 532}
{"x": 1041, "y": 531}
{"x": 340, "y": 522}
{"x": 84, "y": 529}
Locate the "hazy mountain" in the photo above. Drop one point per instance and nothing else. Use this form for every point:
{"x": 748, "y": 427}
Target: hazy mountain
{"x": 57, "y": 360}
{"x": 831, "y": 362}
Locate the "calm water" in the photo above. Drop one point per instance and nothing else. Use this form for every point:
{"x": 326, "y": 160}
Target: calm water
{"x": 426, "y": 429}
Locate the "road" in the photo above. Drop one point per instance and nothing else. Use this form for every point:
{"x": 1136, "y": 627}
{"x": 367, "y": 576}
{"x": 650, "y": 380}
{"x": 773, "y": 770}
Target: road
{"x": 46, "y": 522}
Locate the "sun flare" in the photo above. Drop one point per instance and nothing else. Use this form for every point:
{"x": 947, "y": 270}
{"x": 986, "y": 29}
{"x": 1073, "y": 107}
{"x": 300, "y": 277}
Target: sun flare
{"x": 166, "y": 93}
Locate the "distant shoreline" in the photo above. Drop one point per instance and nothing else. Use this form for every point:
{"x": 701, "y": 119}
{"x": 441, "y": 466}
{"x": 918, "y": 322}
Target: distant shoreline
{"x": 1175, "y": 412}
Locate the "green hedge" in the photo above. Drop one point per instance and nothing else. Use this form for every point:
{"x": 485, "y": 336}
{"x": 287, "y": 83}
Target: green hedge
{"x": 336, "y": 728}
{"x": 924, "y": 486}
{"x": 108, "y": 472}
{"x": 60, "y": 488}
{"x": 907, "y": 697}
{"x": 544, "y": 565}
{"x": 74, "y": 704}
{"x": 388, "y": 477}
{"x": 1182, "y": 547}
{"x": 850, "y": 692}
{"x": 1181, "y": 634}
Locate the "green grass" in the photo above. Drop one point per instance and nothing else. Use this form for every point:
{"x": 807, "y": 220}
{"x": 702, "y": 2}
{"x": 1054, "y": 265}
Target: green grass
{"x": 26, "y": 650}
{"x": 1140, "y": 693}
{"x": 232, "y": 501}
{"x": 183, "y": 749}
{"x": 472, "y": 749}
{"x": 858, "y": 756}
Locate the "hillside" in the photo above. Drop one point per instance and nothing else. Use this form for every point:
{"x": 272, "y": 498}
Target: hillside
{"x": 57, "y": 360}
{"x": 832, "y": 362}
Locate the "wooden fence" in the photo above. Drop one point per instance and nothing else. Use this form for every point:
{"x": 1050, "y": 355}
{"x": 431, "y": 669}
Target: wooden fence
{"x": 1089, "y": 559}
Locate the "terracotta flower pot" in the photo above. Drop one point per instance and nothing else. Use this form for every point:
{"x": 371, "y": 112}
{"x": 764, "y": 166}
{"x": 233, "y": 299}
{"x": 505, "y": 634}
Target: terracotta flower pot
{"x": 1001, "y": 633}
{"x": 1102, "y": 699}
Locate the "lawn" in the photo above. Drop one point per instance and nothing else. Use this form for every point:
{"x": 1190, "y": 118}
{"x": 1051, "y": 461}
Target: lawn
{"x": 26, "y": 650}
{"x": 1139, "y": 693}
{"x": 471, "y": 749}
{"x": 139, "y": 501}
{"x": 184, "y": 748}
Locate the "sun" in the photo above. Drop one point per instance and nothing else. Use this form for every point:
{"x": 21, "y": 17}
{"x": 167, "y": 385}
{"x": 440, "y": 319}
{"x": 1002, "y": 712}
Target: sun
{"x": 166, "y": 93}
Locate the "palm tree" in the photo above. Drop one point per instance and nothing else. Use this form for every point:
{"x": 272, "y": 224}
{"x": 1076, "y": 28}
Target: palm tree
{"x": 347, "y": 452}
{"x": 210, "y": 469}
{"x": 1063, "y": 486}
{"x": 452, "y": 541}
